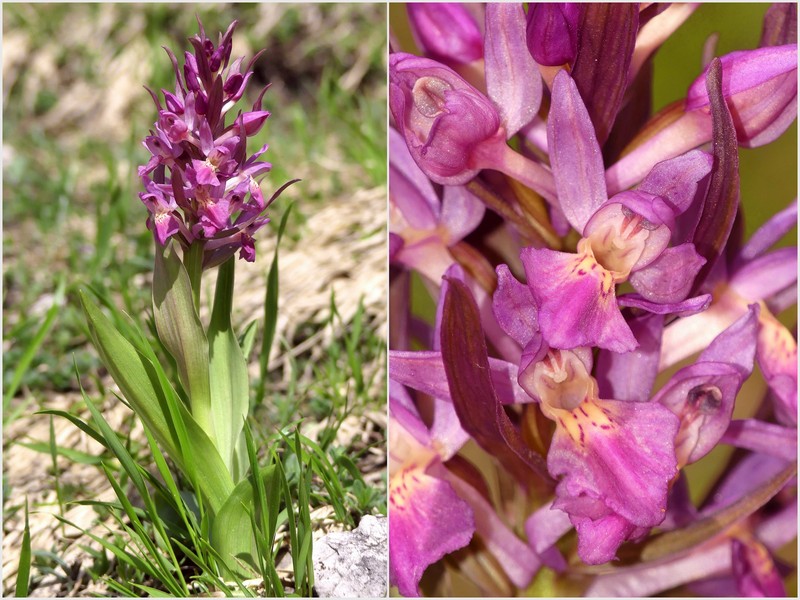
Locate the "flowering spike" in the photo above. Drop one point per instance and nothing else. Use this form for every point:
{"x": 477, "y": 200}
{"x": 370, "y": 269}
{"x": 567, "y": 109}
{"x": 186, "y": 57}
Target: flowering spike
{"x": 200, "y": 167}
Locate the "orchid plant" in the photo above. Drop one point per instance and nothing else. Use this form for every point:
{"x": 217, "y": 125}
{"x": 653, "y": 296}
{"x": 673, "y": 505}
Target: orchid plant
{"x": 595, "y": 326}
{"x": 205, "y": 204}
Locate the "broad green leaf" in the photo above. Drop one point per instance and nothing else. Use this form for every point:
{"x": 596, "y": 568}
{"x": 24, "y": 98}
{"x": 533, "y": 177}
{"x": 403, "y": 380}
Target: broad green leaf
{"x": 232, "y": 530}
{"x": 228, "y": 375}
{"x": 180, "y": 330}
{"x": 145, "y": 387}
{"x": 133, "y": 373}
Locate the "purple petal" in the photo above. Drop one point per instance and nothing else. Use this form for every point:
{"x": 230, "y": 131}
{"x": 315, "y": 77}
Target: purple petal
{"x": 516, "y": 558}
{"x": 754, "y": 570}
{"x": 617, "y": 459}
{"x": 766, "y": 275}
{"x": 424, "y": 371}
{"x": 676, "y": 179}
{"x": 411, "y": 191}
{"x": 552, "y": 32}
{"x": 736, "y": 345}
{"x": 742, "y": 479}
{"x": 576, "y": 301}
{"x": 650, "y": 579}
{"x": 766, "y": 438}
{"x": 428, "y": 521}
{"x": 462, "y": 212}
{"x": 427, "y": 255}
{"x": 599, "y": 539}
{"x": 405, "y": 414}
{"x": 777, "y": 358}
{"x": 630, "y": 376}
{"x": 761, "y": 88}
{"x": 684, "y": 308}
{"x": 769, "y": 233}
{"x": 668, "y": 278}
{"x": 446, "y": 31}
{"x": 395, "y": 244}
{"x": 605, "y": 49}
{"x": 544, "y": 528}
{"x": 513, "y": 81}
{"x": 574, "y": 150}
{"x": 165, "y": 225}
{"x": 514, "y": 307}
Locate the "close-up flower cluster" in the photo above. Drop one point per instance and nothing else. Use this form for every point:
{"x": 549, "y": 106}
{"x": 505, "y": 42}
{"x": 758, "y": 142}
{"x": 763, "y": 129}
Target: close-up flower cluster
{"x": 199, "y": 182}
{"x": 604, "y": 399}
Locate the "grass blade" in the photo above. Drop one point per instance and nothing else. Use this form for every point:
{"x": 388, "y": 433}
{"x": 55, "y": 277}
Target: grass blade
{"x": 33, "y": 347}
{"x": 24, "y": 569}
{"x": 270, "y": 310}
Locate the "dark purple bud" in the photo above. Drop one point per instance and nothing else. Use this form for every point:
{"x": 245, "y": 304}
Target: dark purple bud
{"x": 441, "y": 117}
{"x": 253, "y": 121}
{"x": 190, "y": 73}
{"x": 552, "y": 32}
{"x": 173, "y": 103}
{"x": 200, "y": 104}
{"x": 233, "y": 84}
{"x": 446, "y": 32}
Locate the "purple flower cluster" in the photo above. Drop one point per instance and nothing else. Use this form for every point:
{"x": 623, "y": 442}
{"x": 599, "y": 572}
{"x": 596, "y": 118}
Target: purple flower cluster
{"x": 611, "y": 250}
{"x": 200, "y": 185}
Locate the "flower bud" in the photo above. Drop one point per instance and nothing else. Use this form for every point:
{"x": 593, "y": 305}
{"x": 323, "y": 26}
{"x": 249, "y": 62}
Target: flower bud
{"x": 760, "y": 87}
{"x": 441, "y": 117}
{"x": 446, "y": 32}
{"x": 553, "y": 32}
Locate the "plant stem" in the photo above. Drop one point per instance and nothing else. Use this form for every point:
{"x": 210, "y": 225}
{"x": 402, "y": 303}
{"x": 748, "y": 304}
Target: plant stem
{"x": 193, "y": 261}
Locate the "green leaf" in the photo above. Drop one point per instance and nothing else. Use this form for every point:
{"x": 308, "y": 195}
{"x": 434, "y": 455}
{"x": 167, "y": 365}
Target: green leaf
{"x": 145, "y": 387}
{"x": 232, "y": 531}
{"x": 133, "y": 373}
{"x": 228, "y": 375}
{"x": 76, "y": 456}
{"x": 181, "y": 332}
{"x": 271, "y": 309}
{"x": 24, "y": 569}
